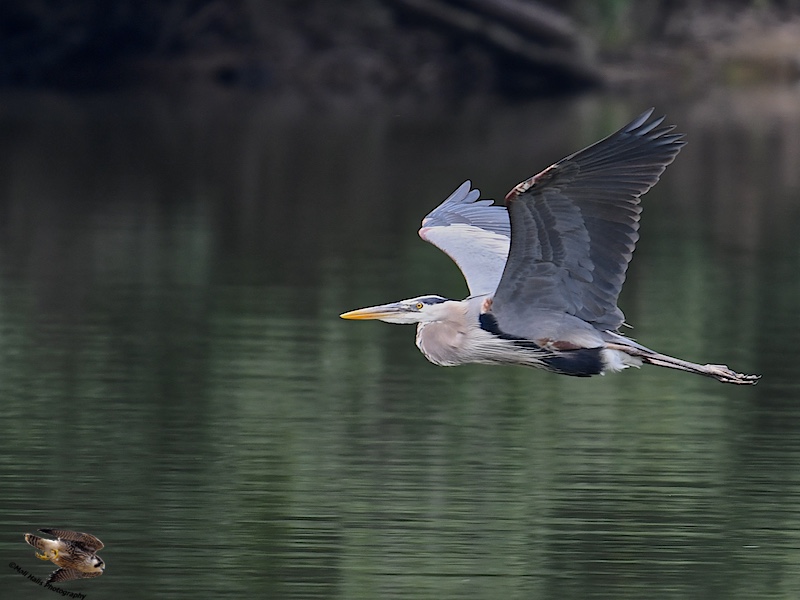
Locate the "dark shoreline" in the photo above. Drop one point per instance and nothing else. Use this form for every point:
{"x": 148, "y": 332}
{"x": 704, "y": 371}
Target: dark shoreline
{"x": 372, "y": 53}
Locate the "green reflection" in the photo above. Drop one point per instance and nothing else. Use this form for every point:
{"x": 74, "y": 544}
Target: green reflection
{"x": 176, "y": 381}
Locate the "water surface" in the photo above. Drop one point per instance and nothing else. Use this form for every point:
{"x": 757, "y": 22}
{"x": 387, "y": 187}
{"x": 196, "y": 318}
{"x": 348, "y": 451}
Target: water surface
{"x": 176, "y": 381}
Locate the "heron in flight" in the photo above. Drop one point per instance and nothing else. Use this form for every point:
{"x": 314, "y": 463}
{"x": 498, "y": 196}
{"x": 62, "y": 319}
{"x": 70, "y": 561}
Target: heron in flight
{"x": 544, "y": 271}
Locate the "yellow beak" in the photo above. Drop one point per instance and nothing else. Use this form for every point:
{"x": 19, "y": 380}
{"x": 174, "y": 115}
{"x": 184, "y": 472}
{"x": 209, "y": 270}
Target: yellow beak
{"x": 374, "y": 312}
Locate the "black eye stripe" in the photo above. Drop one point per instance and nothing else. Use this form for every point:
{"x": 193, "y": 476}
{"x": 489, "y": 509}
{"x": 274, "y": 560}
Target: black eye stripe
{"x": 431, "y": 300}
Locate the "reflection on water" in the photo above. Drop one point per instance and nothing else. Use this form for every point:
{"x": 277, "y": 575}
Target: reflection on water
{"x": 175, "y": 379}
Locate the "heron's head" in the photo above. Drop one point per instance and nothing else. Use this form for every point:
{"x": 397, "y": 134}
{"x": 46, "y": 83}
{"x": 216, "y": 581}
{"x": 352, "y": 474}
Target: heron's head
{"x": 422, "y": 309}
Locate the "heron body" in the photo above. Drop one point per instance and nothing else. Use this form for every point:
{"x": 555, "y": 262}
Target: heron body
{"x": 447, "y": 342}
{"x": 545, "y": 270}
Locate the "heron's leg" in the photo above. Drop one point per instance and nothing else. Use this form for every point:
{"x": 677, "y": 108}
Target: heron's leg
{"x": 718, "y": 372}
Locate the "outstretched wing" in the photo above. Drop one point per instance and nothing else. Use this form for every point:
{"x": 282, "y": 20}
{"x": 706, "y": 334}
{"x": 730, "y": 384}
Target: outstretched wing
{"x": 574, "y": 227}
{"x": 70, "y": 574}
{"x": 474, "y": 233}
{"x": 87, "y": 540}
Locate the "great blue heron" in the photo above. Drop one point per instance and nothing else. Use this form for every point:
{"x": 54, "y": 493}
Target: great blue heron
{"x": 544, "y": 272}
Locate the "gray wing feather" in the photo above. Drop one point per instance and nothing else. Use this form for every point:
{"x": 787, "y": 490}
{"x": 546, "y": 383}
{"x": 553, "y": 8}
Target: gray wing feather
{"x": 575, "y": 225}
{"x": 85, "y": 539}
{"x": 70, "y": 574}
{"x": 474, "y": 233}
{"x": 464, "y": 206}
{"x": 90, "y": 575}
{"x": 64, "y": 575}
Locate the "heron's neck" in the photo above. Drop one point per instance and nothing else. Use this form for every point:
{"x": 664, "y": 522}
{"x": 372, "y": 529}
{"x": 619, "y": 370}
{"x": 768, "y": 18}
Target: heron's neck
{"x": 442, "y": 341}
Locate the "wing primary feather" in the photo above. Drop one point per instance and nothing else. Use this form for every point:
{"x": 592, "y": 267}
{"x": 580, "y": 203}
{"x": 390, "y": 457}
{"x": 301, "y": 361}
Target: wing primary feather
{"x": 574, "y": 227}
{"x": 87, "y": 539}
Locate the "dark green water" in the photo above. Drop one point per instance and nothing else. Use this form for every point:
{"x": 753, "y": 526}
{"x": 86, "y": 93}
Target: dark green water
{"x": 175, "y": 380}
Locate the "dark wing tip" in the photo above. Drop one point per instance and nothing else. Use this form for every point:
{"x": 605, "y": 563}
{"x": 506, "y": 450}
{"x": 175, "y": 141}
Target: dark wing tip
{"x": 641, "y": 128}
{"x": 55, "y": 531}
{"x": 59, "y": 575}
{"x": 653, "y": 130}
{"x": 641, "y": 120}
{"x": 67, "y": 575}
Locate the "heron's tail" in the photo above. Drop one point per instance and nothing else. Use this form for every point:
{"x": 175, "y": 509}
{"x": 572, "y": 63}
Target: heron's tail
{"x": 34, "y": 540}
{"x": 719, "y": 372}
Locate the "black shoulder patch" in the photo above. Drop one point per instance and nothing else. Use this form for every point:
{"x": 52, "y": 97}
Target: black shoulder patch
{"x": 489, "y": 323}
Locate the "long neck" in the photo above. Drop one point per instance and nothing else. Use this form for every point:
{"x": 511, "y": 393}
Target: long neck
{"x": 443, "y": 341}
{"x": 440, "y": 342}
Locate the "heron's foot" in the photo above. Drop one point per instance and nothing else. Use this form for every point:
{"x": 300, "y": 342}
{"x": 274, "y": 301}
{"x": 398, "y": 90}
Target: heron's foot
{"x": 42, "y": 556}
{"x": 726, "y": 375}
